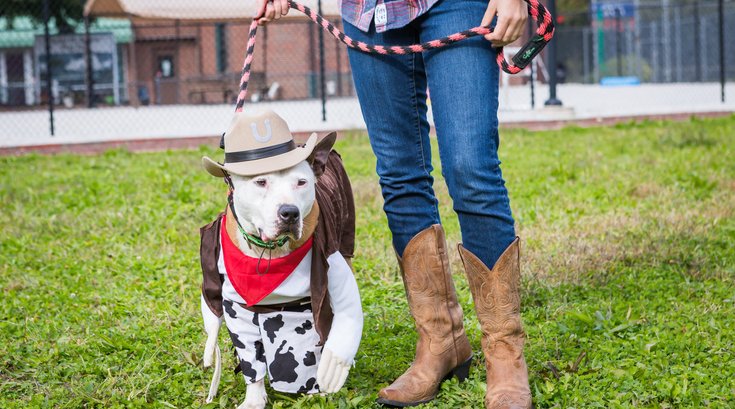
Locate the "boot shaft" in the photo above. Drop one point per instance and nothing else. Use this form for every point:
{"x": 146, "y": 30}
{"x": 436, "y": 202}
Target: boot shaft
{"x": 496, "y": 291}
{"x": 430, "y": 290}
{"x": 497, "y": 302}
{"x": 442, "y": 349}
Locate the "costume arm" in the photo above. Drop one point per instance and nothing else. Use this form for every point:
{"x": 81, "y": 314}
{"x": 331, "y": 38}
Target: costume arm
{"x": 344, "y": 297}
{"x": 346, "y": 332}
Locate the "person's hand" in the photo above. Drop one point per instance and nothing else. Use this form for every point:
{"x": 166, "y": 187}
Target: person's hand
{"x": 512, "y": 17}
{"x": 269, "y": 10}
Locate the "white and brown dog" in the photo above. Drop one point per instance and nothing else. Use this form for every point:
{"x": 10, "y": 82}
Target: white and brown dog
{"x": 275, "y": 263}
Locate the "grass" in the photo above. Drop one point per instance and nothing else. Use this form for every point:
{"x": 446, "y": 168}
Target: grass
{"x": 628, "y": 295}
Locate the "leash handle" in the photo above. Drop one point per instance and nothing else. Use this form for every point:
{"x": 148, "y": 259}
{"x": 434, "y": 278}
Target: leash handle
{"x": 542, "y": 36}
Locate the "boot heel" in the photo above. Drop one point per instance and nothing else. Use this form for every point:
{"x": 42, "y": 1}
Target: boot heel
{"x": 462, "y": 371}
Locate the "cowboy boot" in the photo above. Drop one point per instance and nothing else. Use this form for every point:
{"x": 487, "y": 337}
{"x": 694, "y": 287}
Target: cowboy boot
{"x": 498, "y": 307}
{"x": 443, "y": 349}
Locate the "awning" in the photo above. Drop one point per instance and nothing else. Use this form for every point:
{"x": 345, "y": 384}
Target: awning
{"x": 192, "y": 9}
{"x": 24, "y": 31}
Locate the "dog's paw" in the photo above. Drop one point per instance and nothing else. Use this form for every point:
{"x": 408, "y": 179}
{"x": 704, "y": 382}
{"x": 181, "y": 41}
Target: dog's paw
{"x": 255, "y": 404}
{"x": 252, "y": 405}
{"x": 255, "y": 396}
{"x": 332, "y": 372}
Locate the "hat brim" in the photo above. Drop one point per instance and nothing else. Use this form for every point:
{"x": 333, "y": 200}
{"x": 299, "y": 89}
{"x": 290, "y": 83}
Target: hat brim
{"x": 260, "y": 166}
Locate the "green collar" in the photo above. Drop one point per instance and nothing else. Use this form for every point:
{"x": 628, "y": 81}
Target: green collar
{"x": 270, "y": 245}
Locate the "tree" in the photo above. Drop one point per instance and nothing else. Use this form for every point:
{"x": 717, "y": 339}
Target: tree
{"x": 573, "y": 12}
{"x": 65, "y": 13}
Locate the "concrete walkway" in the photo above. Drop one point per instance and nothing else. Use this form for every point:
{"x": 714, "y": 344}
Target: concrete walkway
{"x": 582, "y": 104}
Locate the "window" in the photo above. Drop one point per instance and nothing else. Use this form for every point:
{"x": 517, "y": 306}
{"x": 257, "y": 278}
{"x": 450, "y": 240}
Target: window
{"x": 220, "y": 44}
{"x": 166, "y": 66}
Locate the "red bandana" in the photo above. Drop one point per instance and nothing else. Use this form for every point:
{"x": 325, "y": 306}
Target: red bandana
{"x": 241, "y": 269}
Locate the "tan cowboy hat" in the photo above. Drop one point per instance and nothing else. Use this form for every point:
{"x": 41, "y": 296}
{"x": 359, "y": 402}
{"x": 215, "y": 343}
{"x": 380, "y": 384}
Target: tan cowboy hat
{"x": 258, "y": 143}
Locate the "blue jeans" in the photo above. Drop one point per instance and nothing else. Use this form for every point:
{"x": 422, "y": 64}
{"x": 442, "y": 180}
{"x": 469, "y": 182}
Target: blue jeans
{"x": 463, "y": 82}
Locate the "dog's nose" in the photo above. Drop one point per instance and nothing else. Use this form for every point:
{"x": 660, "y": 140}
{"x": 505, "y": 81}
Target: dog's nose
{"x": 289, "y": 214}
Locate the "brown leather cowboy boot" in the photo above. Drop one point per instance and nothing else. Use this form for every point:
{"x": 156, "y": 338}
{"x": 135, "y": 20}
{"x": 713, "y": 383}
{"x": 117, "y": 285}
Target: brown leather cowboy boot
{"x": 443, "y": 349}
{"x": 498, "y": 306}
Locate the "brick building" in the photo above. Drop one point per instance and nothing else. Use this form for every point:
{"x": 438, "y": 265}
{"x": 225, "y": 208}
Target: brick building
{"x": 186, "y": 51}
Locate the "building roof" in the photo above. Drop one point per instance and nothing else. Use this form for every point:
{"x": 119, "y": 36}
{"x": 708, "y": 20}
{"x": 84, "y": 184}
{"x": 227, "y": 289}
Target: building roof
{"x": 23, "y": 31}
{"x": 191, "y": 9}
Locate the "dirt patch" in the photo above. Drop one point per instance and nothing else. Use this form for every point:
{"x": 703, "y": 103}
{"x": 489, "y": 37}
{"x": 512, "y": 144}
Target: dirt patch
{"x": 592, "y": 244}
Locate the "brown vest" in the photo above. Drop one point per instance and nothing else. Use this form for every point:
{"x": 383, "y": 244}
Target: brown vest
{"x": 334, "y": 232}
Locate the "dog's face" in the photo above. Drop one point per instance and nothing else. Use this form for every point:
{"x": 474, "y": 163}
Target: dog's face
{"x": 272, "y": 205}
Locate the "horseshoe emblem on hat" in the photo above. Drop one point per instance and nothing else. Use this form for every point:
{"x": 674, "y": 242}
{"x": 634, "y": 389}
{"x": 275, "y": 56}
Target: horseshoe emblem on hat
{"x": 268, "y": 131}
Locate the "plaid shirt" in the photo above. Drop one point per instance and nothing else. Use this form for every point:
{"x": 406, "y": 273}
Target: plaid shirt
{"x": 390, "y": 13}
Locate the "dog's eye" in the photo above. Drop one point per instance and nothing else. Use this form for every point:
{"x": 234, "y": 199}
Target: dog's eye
{"x": 301, "y": 182}
{"x": 261, "y": 182}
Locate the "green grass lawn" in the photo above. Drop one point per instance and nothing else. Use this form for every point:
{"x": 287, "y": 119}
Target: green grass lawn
{"x": 628, "y": 297}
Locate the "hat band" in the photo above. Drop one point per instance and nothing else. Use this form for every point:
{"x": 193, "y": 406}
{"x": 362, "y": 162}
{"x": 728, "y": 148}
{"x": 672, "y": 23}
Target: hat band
{"x": 245, "y": 156}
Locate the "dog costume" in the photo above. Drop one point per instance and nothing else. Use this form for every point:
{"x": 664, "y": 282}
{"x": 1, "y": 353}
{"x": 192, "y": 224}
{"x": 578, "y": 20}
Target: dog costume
{"x": 279, "y": 312}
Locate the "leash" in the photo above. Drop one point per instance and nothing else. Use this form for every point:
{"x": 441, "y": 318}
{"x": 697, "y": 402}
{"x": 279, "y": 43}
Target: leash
{"x": 538, "y": 12}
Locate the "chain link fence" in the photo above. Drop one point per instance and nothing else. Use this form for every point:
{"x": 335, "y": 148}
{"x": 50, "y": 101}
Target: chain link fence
{"x": 138, "y": 76}
{"x": 139, "y": 62}
{"x": 654, "y": 42}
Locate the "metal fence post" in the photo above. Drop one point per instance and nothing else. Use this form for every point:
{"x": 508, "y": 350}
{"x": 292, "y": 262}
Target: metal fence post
{"x": 677, "y": 43}
{"x": 618, "y": 43}
{"x": 532, "y": 71}
{"x": 631, "y": 58}
{"x": 177, "y": 62}
{"x": 638, "y": 50}
{"x": 89, "y": 68}
{"x": 666, "y": 33}
{"x": 322, "y": 74}
{"x": 47, "y": 39}
{"x": 655, "y": 66}
{"x": 599, "y": 42}
{"x": 585, "y": 53}
{"x": 551, "y": 67}
{"x": 721, "y": 24}
{"x": 697, "y": 45}
{"x": 704, "y": 51}
{"x": 133, "y": 74}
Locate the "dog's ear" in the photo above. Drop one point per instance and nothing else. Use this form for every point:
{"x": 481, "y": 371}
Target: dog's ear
{"x": 318, "y": 158}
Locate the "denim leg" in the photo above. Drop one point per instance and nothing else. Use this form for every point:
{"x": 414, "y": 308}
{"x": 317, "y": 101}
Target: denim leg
{"x": 392, "y": 94}
{"x": 463, "y": 86}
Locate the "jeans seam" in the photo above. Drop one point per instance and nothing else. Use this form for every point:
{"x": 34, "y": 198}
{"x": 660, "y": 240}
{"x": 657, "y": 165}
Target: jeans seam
{"x": 434, "y": 213}
{"x": 417, "y": 120}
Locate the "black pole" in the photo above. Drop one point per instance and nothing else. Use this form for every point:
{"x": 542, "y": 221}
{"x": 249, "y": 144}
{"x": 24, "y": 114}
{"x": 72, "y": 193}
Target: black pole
{"x": 721, "y": 21}
{"x": 551, "y": 66}
{"x": 321, "y": 68}
{"x": 177, "y": 61}
{"x": 618, "y": 42}
{"x": 530, "y": 67}
{"x": 697, "y": 65}
{"x": 89, "y": 67}
{"x": 47, "y": 39}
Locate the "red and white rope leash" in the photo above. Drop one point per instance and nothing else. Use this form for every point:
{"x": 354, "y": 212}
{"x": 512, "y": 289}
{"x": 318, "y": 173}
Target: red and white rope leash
{"x": 538, "y": 12}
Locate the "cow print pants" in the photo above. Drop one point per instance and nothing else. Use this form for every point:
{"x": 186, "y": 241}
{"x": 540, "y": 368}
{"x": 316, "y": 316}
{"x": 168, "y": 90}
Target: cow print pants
{"x": 282, "y": 344}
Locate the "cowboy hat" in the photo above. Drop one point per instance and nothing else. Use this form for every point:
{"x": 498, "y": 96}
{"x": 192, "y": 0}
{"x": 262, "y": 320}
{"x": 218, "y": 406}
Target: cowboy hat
{"x": 258, "y": 143}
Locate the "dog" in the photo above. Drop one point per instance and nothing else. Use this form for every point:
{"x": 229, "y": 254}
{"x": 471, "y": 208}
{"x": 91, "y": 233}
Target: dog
{"x": 276, "y": 263}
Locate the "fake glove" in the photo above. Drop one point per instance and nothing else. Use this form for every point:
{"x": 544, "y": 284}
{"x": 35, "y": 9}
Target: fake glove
{"x": 332, "y": 372}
